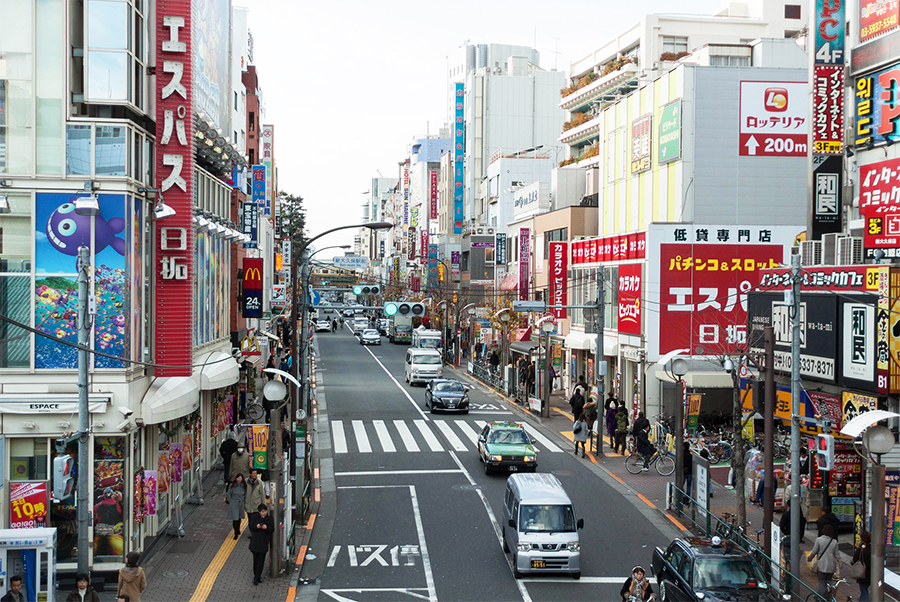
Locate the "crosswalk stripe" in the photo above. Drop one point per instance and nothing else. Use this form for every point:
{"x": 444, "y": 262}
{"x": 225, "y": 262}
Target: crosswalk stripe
{"x": 451, "y": 436}
{"x": 383, "y": 436}
{"x": 362, "y": 440}
{"x": 408, "y": 441}
{"x": 340, "y": 440}
{"x": 481, "y": 424}
{"x": 430, "y": 439}
{"x": 467, "y": 430}
{"x": 548, "y": 445}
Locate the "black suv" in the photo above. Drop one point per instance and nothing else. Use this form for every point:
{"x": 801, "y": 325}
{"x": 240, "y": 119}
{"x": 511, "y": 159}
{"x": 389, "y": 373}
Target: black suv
{"x": 709, "y": 570}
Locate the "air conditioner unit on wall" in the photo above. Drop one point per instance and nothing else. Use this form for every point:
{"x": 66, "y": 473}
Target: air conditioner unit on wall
{"x": 849, "y": 250}
{"x": 829, "y": 247}
{"x": 810, "y": 252}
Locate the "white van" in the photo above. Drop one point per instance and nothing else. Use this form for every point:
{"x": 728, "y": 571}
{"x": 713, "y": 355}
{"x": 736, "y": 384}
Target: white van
{"x": 423, "y": 338}
{"x": 539, "y": 526}
{"x": 423, "y": 365}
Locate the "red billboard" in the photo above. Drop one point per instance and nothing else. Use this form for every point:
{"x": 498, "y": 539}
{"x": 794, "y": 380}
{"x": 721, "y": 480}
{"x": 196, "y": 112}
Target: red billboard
{"x": 559, "y": 281}
{"x": 433, "y": 194}
{"x": 524, "y": 263}
{"x": 630, "y": 298}
{"x": 28, "y": 505}
{"x": 828, "y": 109}
{"x": 877, "y": 17}
{"x": 609, "y": 248}
{"x": 174, "y": 169}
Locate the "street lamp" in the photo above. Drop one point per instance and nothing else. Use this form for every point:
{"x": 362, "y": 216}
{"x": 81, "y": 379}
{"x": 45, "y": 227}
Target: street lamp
{"x": 547, "y": 326}
{"x": 504, "y": 316}
{"x": 878, "y": 440}
{"x": 679, "y": 369}
{"x": 471, "y": 311}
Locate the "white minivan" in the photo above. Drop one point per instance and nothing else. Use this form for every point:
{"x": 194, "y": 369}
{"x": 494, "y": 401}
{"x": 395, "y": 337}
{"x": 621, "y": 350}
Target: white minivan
{"x": 423, "y": 365}
{"x": 539, "y": 526}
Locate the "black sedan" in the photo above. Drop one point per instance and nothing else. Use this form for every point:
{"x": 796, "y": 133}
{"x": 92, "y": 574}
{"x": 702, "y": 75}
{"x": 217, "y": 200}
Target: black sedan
{"x": 709, "y": 570}
{"x": 447, "y": 394}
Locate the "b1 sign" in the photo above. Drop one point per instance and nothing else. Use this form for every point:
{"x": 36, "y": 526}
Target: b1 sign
{"x": 351, "y": 262}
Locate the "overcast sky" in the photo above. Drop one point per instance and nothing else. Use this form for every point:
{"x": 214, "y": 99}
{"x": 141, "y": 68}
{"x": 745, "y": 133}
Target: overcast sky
{"x": 348, "y": 84}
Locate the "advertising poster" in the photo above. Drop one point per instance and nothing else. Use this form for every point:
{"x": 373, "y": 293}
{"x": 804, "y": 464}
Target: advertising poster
{"x": 140, "y": 504}
{"x": 27, "y": 505}
{"x": 175, "y": 454}
{"x": 150, "y": 486}
{"x": 559, "y": 281}
{"x": 524, "y": 263}
{"x": 186, "y": 452}
{"x": 670, "y": 133}
{"x": 162, "y": 483}
{"x": 630, "y": 298}
{"x": 259, "y": 441}
{"x": 828, "y": 406}
{"x": 640, "y": 143}
{"x": 828, "y": 109}
{"x": 459, "y": 148}
{"x": 774, "y": 117}
{"x": 877, "y": 17}
{"x": 109, "y": 497}
{"x": 855, "y": 404}
{"x": 693, "y": 410}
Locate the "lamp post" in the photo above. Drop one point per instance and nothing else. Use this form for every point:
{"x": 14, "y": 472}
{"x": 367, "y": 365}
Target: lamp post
{"x": 547, "y": 326}
{"x": 471, "y": 312}
{"x": 679, "y": 369}
{"x": 878, "y": 441}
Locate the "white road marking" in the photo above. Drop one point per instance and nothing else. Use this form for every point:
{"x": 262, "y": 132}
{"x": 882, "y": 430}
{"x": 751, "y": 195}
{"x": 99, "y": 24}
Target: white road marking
{"x": 423, "y": 547}
{"x": 367, "y": 473}
{"x": 337, "y": 433}
{"x": 468, "y": 430}
{"x": 362, "y": 440}
{"x": 334, "y": 554}
{"x": 411, "y": 592}
{"x": 383, "y": 436}
{"x": 399, "y": 386}
{"x": 543, "y": 579}
{"x": 455, "y": 443}
{"x": 430, "y": 439}
{"x": 548, "y": 445}
{"x": 407, "y": 437}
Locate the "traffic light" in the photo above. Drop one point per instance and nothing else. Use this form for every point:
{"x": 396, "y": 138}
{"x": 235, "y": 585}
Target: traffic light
{"x": 404, "y": 308}
{"x": 825, "y": 452}
{"x": 63, "y": 479}
{"x": 390, "y": 309}
{"x": 366, "y": 289}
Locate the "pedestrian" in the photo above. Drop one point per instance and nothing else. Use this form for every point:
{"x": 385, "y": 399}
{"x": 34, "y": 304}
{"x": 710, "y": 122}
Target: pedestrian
{"x": 495, "y": 361}
{"x": 333, "y": 325}
{"x": 132, "y": 580}
{"x": 576, "y": 402}
{"x": 610, "y": 400}
{"x": 826, "y": 551}
{"x": 611, "y": 414}
{"x": 863, "y": 554}
{"x": 640, "y": 422}
{"x": 15, "y": 593}
{"x": 226, "y": 450}
{"x": 83, "y": 591}
{"x": 636, "y": 588}
{"x": 621, "y": 429}
{"x": 256, "y": 494}
{"x": 240, "y": 462}
{"x": 529, "y": 378}
{"x": 644, "y": 447}
{"x": 580, "y": 433}
{"x": 590, "y": 413}
{"x": 829, "y": 518}
{"x": 237, "y": 499}
{"x": 785, "y": 523}
{"x": 688, "y": 468}
{"x": 582, "y": 386}
{"x": 270, "y": 364}
{"x": 261, "y": 528}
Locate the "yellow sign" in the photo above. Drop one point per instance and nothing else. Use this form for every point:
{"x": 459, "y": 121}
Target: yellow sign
{"x": 259, "y": 442}
{"x": 749, "y": 431}
{"x": 855, "y": 404}
{"x": 693, "y": 413}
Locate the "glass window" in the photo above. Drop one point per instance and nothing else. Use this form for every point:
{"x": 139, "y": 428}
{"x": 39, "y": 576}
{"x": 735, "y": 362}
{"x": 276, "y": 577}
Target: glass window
{"x": 16, "y": 145}
{"x": 791, "y": 11}
{"x": 16, "y": 28}
{"x": 15, "y": 302}
{"x": 28, "y": 459}
{"x": 78, "y": 150}
{"x": 107, "y": 75}
{"x": 675, "y": 44}
{"x": 49, "y": 103}
{"x": 16, "y": 234}
{"x": 107, "y": 25}
{"x": 149, "y": 158}
{"x": 111, "y": 151}
{"x": 137, "y": 157}
{"x": 547, "y": 518}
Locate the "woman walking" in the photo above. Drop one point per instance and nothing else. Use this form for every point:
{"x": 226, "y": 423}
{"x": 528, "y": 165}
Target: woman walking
{"x": 580, "y": 433}
{"x": 826, "y": 551}
{"x": 863, "y": 554}
{"x": 611, "y": 421}
{"x": 132, "y": 581}
{"x": 237, "y": 496}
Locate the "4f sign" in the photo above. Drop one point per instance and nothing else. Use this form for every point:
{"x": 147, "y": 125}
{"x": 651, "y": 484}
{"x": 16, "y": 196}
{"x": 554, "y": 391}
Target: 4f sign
{"x": 829, "y": 24}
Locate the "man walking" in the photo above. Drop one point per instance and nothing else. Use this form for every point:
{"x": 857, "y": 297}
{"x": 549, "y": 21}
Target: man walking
{"x": 256, "y": 494}
{"x": 261, "y": 528}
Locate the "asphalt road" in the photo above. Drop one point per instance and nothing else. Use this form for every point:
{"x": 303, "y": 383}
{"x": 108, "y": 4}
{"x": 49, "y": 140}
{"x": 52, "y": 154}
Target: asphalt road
{"x": 408, "y": 513}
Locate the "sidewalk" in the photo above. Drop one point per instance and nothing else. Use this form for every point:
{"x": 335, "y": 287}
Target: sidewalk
{"x": 650, "y": 487}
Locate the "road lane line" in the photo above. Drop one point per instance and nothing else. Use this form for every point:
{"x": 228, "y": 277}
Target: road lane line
{"x": 383, "y": 436}
{"x": 362, "y": 440}
{"x": 455, "y": 443}
{"x": 406, "y": 436}
{"x": 423, "y": 547}
{"x": 468, "y": 430}
{"x": 548, "y": 445}
{"x": 364, "y": 473}
{"x": 399, "y": 386}
{"x": 337, "y": 433}
{"x": 526, "y": 597}
{"x": 543, "y": 579}
{"x": 430, "y": 439}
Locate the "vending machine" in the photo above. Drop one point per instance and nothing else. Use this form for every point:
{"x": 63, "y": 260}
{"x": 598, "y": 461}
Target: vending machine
{"x": 30, "y": 554}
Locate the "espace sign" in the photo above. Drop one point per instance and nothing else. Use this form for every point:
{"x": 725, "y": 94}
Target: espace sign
{"x": 774, "y": 119}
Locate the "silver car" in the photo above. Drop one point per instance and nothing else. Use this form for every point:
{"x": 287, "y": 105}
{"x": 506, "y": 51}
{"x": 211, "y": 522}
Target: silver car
{"x": 370, "y": 336}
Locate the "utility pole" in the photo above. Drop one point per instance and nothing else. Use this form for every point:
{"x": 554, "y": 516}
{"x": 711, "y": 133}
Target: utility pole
{"x": 84, "y": 427}
{"x": 599, "y": 373}
{"x": 769, "y": 484}
{"x": 795, "y": 412}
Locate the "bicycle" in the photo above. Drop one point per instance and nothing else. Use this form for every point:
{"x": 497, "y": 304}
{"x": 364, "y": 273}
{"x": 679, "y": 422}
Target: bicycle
{"x": 832, "y": 590}
{"x": 664, "y": 463}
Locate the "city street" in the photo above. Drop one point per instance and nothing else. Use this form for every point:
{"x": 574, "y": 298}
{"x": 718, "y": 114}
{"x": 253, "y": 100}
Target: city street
{"x": 408, "y": 513}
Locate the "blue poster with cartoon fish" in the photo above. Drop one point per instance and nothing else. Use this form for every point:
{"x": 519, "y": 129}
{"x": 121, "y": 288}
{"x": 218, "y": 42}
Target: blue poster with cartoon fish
{"x": 59, "y": 232}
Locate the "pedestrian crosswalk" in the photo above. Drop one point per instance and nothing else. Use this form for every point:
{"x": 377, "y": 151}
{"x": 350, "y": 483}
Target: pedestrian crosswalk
{"x": 381, "y": 436}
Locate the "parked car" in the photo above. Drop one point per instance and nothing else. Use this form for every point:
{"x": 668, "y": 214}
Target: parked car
{"x": 506, "y": 446}
{"x": 383, "y": 326}
{"x": 447, "y": 394}
{"x": 709, "y": 570}
{"x": 369, "y": 336}
{"x": 323, "y": 325}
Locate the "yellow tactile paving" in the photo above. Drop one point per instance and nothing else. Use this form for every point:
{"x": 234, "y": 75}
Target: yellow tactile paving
{"x": 209, "y": 575}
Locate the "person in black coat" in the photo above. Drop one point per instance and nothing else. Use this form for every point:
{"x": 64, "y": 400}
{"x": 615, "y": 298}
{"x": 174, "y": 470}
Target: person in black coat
{"x": 261, "y": 528}
{"x": 829, "y": 518}
{"x": 226, "y": 450}
{"x": 864, "y": 553}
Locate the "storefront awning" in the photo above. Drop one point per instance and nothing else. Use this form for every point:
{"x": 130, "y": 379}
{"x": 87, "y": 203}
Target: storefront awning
{"x": 580, "y": 340}
{"x": 170, "y": 398}
{"x": 523, "y": 347}
{"x": 219, "y": 370}
{"x": 510, "y": 282}
{"x": 610, "y": 346}
{"x": 702, "y": 379}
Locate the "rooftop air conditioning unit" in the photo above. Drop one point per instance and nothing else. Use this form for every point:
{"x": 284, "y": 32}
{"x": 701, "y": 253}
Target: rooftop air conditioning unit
{"x": 849, "y": 250}
{"x": 810, "y": 252}
{"x": 490, "y": 230}
{"x": 479, "y": 231}
{"x": 829, "y": 241}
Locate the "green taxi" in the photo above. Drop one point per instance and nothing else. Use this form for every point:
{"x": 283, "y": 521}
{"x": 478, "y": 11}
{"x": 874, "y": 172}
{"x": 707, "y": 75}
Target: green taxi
{"x": 506, "y": 446}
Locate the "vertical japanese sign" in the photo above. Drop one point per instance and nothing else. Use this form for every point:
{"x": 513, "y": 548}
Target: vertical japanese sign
{"x": 405, "y": 197}
{"x": 670, "y": 132}
{"x": 27, "y": 505}
{"x": 267, "y": 155}
{"x": 640, "y": 143}
{"x": 259, "y": 442}
{"x": 829, "y": 31}
{"x": 828, "y": 109}
{"x": 773, "y": 119}
{"x": 174, "y": 169}
{"x": 411, "y": 243}
{"x": 559, "y": 282}
{"x": 459, "y": 148}
{"x": 454, "y": 263}
{"x": 524, "y": 262}
{"x": 630, "y": 298}
{"x": 434, "y": 278}
{"x": 433, "y": 194}
{"x": 879, "y": 203}
{"x": 500, "y": 247}
{"x": 253, "y": 283}
{"x": 828, "y": 176}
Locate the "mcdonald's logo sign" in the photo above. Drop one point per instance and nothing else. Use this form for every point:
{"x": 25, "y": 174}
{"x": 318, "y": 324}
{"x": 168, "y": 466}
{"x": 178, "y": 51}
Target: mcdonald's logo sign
{"x": 253, "y": 268}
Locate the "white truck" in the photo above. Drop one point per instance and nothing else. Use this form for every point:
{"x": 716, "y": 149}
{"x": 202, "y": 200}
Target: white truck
{"x": 423, "y": 338}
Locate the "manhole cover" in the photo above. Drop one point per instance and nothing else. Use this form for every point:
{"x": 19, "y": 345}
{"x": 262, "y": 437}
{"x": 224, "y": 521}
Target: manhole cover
{"x": 466, "y": 487}
{"x": 176, "y": 574}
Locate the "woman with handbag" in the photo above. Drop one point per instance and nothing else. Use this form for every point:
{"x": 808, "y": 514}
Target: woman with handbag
{"x": 823, "y": 558}
{"x": 862, "y": 559}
